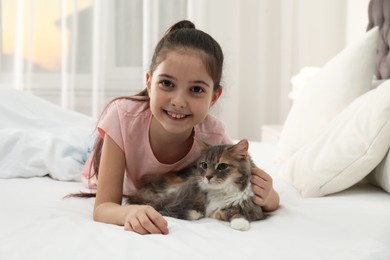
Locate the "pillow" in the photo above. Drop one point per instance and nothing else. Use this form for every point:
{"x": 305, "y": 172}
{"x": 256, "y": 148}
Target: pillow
{"x": 39, "y": 138}
{"x": 341, "y": 80}
{"x": 347, "y": 150}
{"x": 381, "y": 175}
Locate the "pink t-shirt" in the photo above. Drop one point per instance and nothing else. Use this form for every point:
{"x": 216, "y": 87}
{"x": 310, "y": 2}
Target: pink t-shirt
{"x": 127, "y": 122}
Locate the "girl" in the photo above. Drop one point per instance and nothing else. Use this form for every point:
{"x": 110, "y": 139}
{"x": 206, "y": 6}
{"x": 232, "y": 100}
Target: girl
{"x": 153, "y": 132}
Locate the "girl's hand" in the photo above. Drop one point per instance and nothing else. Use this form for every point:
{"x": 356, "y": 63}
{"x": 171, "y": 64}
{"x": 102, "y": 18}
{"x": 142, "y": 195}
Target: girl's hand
{"x": 265, "y": 195}
{"x": 144, "y": 219}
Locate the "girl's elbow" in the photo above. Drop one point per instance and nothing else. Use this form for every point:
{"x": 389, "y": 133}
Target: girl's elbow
{"x": 97, "y": 214}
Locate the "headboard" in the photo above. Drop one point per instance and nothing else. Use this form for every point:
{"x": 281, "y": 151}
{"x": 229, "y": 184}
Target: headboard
{"x": 379, "y": 15}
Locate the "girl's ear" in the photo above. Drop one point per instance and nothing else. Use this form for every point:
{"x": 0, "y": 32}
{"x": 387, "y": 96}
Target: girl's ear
{"x": 148, "y": 82}
{"x": 216, "y": 95}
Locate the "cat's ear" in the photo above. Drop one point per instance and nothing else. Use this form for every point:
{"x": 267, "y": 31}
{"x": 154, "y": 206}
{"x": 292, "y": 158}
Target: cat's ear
{"x": 201, "y": 144}
{"x": 240, "y": 150}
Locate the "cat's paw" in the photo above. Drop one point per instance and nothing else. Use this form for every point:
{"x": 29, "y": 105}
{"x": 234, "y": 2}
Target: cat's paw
{"x": 240, "y": 224}
{"x": 194, "y": 215}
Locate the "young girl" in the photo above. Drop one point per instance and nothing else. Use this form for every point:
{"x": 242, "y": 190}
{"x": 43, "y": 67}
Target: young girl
{"x": 153, "y": 132}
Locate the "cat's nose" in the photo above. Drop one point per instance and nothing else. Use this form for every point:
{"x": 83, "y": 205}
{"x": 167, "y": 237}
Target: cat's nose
{"x": 208, "y": 177}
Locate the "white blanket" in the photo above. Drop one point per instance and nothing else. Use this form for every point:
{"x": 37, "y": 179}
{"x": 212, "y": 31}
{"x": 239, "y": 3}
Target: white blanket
{"x": 39, "y": 138}
{"x": 37, "y": 223}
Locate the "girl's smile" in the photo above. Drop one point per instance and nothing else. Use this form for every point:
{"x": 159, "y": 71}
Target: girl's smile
{"x": 176, "y": 116}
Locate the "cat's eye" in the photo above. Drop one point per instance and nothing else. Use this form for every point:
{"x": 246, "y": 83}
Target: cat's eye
{"x": 203, "y": 165}
{"x": 222, "y": 166}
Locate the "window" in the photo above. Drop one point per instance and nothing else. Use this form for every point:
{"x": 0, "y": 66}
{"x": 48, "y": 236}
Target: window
{"x": 81, "y": 53}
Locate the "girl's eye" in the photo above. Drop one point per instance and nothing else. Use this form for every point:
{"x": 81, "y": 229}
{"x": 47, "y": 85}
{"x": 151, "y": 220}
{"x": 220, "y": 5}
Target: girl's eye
{"x": 203, "y": 165}
{"x": 222, "y": 166}
{"x": 197, "y": 89}
{"x": 166, "y": 83}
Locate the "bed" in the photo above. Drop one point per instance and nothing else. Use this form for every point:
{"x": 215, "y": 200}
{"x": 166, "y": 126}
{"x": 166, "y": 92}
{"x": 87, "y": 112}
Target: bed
{"x": 331, "y": 168}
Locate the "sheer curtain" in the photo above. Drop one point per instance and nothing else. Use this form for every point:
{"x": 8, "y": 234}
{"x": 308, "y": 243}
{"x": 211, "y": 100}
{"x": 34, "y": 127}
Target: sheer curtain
{"x": 266, "y": 42}
{"x": 82, "y": 53}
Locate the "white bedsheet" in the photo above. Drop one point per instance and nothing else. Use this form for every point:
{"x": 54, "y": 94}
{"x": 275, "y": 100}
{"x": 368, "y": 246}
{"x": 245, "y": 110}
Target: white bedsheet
{"x": 37, "y": 223}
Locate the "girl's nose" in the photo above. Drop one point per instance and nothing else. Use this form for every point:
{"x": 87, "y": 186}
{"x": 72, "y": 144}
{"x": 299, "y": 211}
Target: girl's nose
{"x": 178, "y": 101}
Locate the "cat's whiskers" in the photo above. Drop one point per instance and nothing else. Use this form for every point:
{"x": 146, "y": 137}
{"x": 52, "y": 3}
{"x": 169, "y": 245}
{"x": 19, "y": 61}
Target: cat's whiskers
{"x": 212, "y": 184}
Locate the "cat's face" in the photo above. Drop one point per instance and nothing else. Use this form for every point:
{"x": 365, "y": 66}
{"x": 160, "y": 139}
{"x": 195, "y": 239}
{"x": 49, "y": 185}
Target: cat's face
{"x": 224, "y": 165}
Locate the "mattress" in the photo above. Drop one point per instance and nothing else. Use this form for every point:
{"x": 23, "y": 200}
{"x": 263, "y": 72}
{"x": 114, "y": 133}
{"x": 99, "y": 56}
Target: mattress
{"x": 36, "y": 222}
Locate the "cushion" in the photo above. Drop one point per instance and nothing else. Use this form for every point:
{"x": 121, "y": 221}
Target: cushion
{"x": 381, "y": 175}
{"x": 39, "y": 138}
{"x": 347, "y": 150}
{"x": 341, "y": 80}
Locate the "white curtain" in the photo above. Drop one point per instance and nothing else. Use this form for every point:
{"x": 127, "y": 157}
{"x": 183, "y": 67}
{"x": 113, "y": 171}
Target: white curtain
{"x": 82, "y": 53}
{"x": 266, "y": 42}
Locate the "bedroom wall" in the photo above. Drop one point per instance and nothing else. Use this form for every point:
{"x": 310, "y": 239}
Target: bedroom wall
{"x": 357, "y": 19}
{"x": 266, "y": 42}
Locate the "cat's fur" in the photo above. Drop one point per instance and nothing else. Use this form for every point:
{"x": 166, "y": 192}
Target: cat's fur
{"x": 217, "y": 186}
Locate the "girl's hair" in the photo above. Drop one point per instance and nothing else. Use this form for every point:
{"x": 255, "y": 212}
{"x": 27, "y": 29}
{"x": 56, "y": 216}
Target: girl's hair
{"x": 181, "y": 36}
{"x": 184, "y": 35}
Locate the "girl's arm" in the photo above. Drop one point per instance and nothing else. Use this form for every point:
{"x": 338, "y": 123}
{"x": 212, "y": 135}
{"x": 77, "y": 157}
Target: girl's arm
{"x": 265, "y": 195}
{"x": 142, "y": 219}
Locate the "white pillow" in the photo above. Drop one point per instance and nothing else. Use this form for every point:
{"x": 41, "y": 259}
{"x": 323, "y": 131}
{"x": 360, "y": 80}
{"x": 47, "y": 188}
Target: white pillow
{"x": 381, "y": 175}
{"x": 348, "y": 149}
{"x": 39, "y": 138}
{"x": 341, "y": 80}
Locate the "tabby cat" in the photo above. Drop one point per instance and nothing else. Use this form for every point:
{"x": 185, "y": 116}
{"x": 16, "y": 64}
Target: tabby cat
{"x": 217, "y": 186}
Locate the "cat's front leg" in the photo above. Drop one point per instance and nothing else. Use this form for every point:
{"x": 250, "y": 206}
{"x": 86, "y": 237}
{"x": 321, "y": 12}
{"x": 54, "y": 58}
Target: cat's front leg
{"x": 194, "y": 215}
{"x": 240, "y": 223}
{"x": 231, "y": 214}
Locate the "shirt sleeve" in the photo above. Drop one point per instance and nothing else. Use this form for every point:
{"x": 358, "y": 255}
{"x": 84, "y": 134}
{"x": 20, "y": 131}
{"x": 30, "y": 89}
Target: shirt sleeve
{"x": 212, "y": 131}
{"x": 110, "y": 124}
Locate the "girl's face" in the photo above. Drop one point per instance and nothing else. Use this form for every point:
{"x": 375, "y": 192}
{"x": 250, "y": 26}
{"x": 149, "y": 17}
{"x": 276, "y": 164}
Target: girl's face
{"x": 181, "y": 92}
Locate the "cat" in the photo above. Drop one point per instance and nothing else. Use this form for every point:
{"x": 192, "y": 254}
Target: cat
{"x": 216, "y": 186}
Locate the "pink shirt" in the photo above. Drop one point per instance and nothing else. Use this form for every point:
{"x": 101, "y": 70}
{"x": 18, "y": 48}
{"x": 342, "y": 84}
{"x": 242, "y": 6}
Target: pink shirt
{"x": 127, "y": 122}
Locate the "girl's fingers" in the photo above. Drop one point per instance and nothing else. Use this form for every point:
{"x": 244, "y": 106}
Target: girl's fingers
{"x": 259, "y": 191}
{"x": 261, "y": 186}
{"x": 127, "y": 227}
{"x": 144, "y": 219}
{"x": 258, "y": 201}
{"x": 261, "y": 174}
{"x": 150, "y": 222}
{"x": 154, "y": 223}
{"x": 159, "y": 224}
{"x": 137, "y": 227}
{"x": 256, "y": 180}
{"x": 260, "y": 195}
